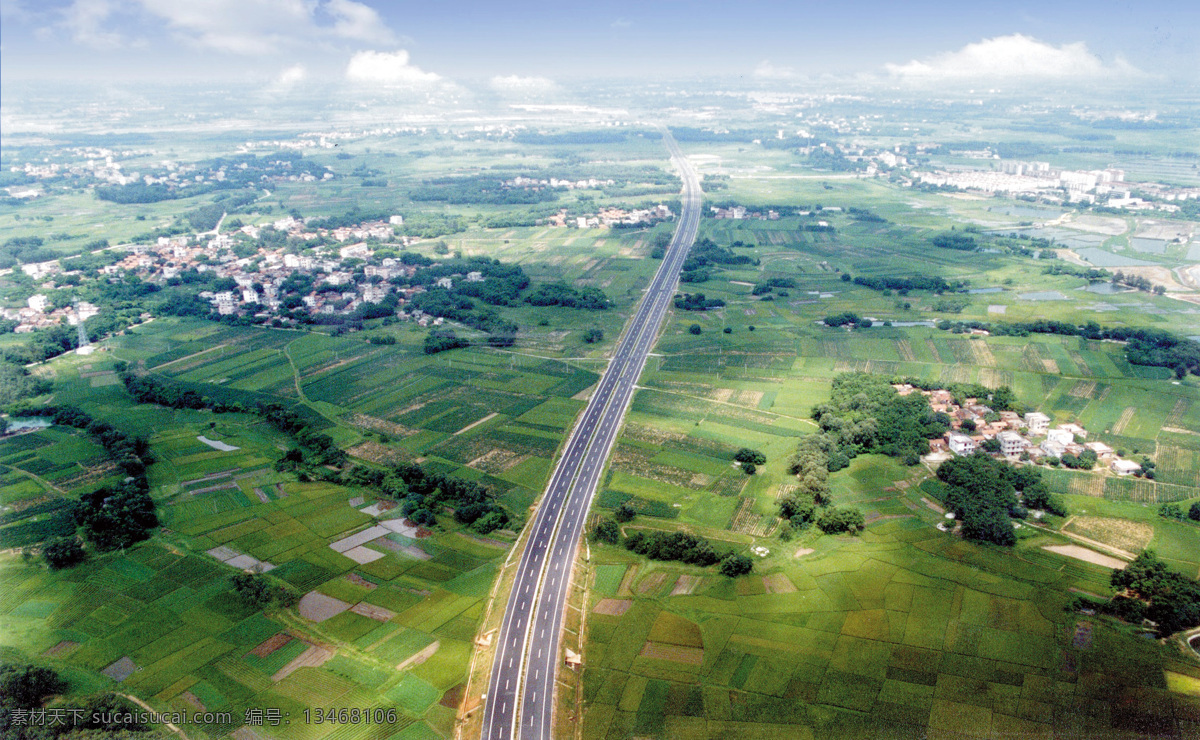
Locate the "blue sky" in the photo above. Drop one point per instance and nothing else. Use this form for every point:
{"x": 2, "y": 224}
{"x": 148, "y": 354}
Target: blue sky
{"x": 292, "y": 42}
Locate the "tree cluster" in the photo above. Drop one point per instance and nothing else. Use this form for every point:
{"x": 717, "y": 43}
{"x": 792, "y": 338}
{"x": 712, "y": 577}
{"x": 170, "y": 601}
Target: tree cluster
{"x": 261, "y": 592}
{"x": 866, "y": 414}
{"x": 903, "y": 285}
{"x": 982, "y": 493}
{"x": 955, "y": 240}
{"x": 1151, "y": 591}
{"x": 1176, "y": 512}
{"x": 696, "y": 302}
{"x": 705, "y": 256}
{"x": 586, "y": 297}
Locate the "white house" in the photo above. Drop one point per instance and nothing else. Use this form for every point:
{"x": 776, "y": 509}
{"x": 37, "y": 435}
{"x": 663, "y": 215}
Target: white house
{"x": 1037, "y": 422}
{"x": 1011, "y": 443}
{"x": 1102, "y": 450}
{"x": 1060, "y": 436}
{"x": 960, "y": 444}
{"x": 1052, "y": 448}
{"x": 1125, "y": 467}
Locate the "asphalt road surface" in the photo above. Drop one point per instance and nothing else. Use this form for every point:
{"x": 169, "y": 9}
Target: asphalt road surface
{"x": 520, "y": 697}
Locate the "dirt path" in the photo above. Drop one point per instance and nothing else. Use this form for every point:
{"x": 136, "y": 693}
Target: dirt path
{"x": 35, "y": 477}
{"x": 1087, "y": 541}
{"x": 149, "y": 708}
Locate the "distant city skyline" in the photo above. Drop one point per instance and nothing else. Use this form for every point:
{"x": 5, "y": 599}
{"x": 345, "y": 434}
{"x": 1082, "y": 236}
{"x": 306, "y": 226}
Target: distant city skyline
{"x": 521, "y": 48}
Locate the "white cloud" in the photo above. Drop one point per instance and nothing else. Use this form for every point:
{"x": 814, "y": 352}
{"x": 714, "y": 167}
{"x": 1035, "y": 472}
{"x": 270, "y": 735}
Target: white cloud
{"x": 518, "y": 84}
{"x": 354, "y": 20}
{"x": 387, "y": 68}
{"x": 620, "y": 24}
{"x": 1015, "y": 57}
{"x": 291, "y": 76}
{"x": 85, "y": 20}
{"x": 767, "y": 71}
{"x": 249, "y": 27}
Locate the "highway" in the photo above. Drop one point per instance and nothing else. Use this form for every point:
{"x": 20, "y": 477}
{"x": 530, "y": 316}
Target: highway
{"x": 520, "y": 696}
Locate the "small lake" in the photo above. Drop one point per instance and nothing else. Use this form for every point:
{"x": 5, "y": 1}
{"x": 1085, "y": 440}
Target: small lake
{"x": 1030, "y": 212}
{"x": 1102, "y": 258}
{"x": 981, "y": 291}
{"x": 1061, "y": 237}
{"x": 1105, "y": 289}
{"x": 1148, "y": 246}
{"x": 29, "y": 422}
{"x": 930, "y": 324}
{"x": 1043, "y": 295}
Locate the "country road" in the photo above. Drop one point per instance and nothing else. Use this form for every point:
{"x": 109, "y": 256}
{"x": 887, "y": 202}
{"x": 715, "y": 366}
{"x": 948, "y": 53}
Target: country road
{"x": 520, "y": 696}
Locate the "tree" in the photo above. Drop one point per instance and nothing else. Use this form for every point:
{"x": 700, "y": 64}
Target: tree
{"x": 747, "y": 455}
{"x": 733, "y": 566}
{"x": 749, "y": 468}
{"x": 839, "y": 519}
{"x": 63, "y": 552}
{"x": 694, "y": 329}
{"x": 607, "y": 531}
{"x": 591, "y": 336}
{"x": 24, "y": 686}
{"x": 1194, "y": 512}
{"x": 624, "y": 513}
{"x": 259, "y": 592}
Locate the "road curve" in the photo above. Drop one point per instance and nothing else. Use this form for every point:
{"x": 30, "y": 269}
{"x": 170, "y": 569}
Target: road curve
{"x": 520, "y": 698}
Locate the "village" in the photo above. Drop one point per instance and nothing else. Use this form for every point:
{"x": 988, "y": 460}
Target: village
{"x": 1016, "y": 438}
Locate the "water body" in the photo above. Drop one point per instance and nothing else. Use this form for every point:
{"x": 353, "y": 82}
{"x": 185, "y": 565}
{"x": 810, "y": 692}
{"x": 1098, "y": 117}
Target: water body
{"x": 1105, "y": 289}
{"x": 1102, "y": 258}
{"x": 29, "y": 422}
{"x": 1148, "y": 246}
{"x": 1194, "y": 251}
{"x": 1061, "y": 237}
{"x": 980, "y": 291}
{"x": 1043, "y": 295}
{"x": 1030, "y": 212}
{"x": 929, "y": 324}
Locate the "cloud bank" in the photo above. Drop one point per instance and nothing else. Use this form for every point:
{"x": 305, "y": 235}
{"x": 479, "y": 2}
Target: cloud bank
{"x": 390, "y": 69}
{"x": 518, "y": 85}
{"x": 1016, "y": 57}
{"x": 768, "y": 71}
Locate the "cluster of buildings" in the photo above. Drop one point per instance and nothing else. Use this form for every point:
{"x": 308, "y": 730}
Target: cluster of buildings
{"x": 1027, "y": 437}
{"x": 739, "y": 213}
{"x": 611, "y": 217}
{"x": 342, "y": 283}
{"x": 40, "y": 314}
{"x": 531, "y": 183}
{"x": 1106, "y": 187}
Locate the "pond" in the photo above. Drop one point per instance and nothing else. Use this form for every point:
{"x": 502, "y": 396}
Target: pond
{"x": 1031, "y": 212}
{"x": 29, "y": 422}
{"x": 1148, "y": 246}
{"x": 1102, "y": 258}
{"x": 1104, "y": 289}
{"x": 1043, "y": 295}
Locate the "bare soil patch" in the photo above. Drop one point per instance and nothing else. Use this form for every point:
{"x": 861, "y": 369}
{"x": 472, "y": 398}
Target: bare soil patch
{"x": 65, "y": 646}
{"x": 314, "y": 657}
{"x": 271, "y": 644}
{"x": 1090, "y": 556}
{"x": 370, "y": 611}
{"x": 318, "y": 607}
{"x": 673, "y": 653}
{"x": 612, "y": 607}
{"x": 685, "y": 585}
{"x": 778, "y": 583}
{"x": 1120, "y": 533}
{"x": 420, "y": 657}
